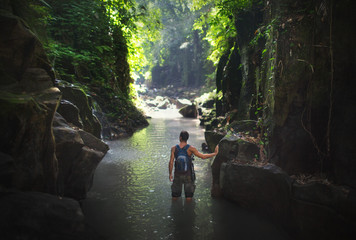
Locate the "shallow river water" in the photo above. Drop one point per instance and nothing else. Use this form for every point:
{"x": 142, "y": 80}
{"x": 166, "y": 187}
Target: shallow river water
{"x": 131, "y": 196}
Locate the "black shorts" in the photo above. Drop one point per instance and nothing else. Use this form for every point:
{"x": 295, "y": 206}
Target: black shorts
{"x": 189, "y": 186}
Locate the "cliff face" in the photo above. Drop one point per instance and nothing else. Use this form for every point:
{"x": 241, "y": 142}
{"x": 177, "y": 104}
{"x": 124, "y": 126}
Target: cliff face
{"x": 295, "y": 80}
{"x": 28, "y": 103}
{"x": 40, "y": 151}
{"x": 297, "y": 61}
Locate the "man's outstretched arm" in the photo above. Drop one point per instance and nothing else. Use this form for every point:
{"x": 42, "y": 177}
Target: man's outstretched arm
{"x": 202, "y": 155}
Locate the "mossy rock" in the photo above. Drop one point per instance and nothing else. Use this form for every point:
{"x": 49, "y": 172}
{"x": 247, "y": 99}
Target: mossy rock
{"x": 79, "y": 98}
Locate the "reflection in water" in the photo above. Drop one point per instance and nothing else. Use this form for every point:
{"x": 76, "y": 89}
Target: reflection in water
{"x": 131, "y": 197}
{"x": 183, "y": 218}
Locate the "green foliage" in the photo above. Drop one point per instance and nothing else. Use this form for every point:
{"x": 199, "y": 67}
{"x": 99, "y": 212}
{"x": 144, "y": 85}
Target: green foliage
{"x": 217, "y": 24}
{"x": 146, "y": 32}
{"x": 264, "y": 32}
{"x": 92, "y": 41}
{"x": 90, "y": 44}
{"x": 231, "y": 7}
{"x": 175, "y": 55}
{"x": 78, "y": 42}
{"x": 220, "y": 28}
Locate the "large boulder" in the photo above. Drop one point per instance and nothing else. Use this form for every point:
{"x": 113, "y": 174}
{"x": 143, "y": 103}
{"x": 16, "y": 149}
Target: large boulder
{"x": 323, "y": 211}
{"x": 7, "y": 170}
{"x": 23, "y": 62}
{"x": 264, "y": 189}
{"x": 93, "y": 142}
{"x": 244, "y": 126}
{"x": 163, "y": 104}
{"x": 28, "y": 101}
{"x": 182, "y": 103}
{"x": 70, "y": 113}
{"x": 190, "y": 111}
{"x": 28, "y": 161}
{"x": 78, "y": 97}
{"x": 159, "y": 102}
{"x": 209, "y": 103}
{"x": 34, "y": 215}
{"x": 228, "y": 150}
{"x": 248, "y": 152}
{"x": 212, "y": 139}
{"x": 78, "y": 153}
{"x": 315, "y": 210}
{"x": 231, "y": 148}
{"x": 26, "y": 136}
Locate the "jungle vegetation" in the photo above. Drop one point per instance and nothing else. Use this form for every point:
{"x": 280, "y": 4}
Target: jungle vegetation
{"x": 104, "y": 46}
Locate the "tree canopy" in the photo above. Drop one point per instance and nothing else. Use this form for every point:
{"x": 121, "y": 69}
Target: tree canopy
{"x": 109, "y": 43}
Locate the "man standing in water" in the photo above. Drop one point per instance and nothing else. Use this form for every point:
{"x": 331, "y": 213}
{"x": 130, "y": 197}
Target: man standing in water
{"x": 183, "y": 174}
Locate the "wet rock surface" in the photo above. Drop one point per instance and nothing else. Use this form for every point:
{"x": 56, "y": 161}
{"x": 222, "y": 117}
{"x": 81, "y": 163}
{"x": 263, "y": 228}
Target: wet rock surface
{"x": 169, "y": 97}
{"x": 190, "y": 111}
{"x": 323, "y": 210}
{"x": 41, "y": 154}
{"x": 307, "y": 209}
{"x": 78, "y": 98}
{"x": 70, "y": 112}
{"x": 316, "y": 210}
{"x": 213, "y": 138}
{"x": 78, "y": 153}
{"x": 35, "y": 215}
{"x": 265, "y": 189}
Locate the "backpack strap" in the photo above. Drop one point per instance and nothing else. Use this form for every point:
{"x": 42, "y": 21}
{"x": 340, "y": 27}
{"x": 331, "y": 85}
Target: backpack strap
{"x": 186, "y": 147}
{"x": 178, "y": 149}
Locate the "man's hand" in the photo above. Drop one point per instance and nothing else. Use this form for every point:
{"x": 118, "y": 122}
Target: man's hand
{"x": 170, "y": 177}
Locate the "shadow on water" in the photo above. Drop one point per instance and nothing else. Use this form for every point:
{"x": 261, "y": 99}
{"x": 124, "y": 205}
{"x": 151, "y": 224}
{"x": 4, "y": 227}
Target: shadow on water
{"x": 130, "y": 198}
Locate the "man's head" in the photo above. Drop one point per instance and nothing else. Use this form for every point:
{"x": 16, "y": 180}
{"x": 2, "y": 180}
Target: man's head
{"x": 184, "y": 135}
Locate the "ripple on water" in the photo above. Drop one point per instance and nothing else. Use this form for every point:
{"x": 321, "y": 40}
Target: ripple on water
{"x": 130, "y": 198}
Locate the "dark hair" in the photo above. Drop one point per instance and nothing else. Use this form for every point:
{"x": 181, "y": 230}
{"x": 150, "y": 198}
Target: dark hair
{"x": 184, "y": 135}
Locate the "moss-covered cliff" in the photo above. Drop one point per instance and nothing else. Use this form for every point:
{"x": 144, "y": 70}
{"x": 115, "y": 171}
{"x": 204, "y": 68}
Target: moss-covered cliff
{"x": 49, "y": 138}
{"x": 295, "y": 76}
{"x": 292, "y": 74}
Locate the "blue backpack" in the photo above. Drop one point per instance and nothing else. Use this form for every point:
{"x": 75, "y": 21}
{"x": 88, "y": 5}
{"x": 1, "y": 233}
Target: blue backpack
{"x": 183, "y": 161}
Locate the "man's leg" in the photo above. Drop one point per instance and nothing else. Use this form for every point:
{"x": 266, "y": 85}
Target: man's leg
{"x": 176, "y": 187}
{"x": 189, "y": 188}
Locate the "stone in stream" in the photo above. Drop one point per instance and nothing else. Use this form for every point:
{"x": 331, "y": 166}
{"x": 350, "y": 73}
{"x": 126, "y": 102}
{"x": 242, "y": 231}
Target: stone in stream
{"x": 231, "y": 148}
{"x": 163, "y": 104}
{"x": 182, "y": 103}
{"x": 78, "y": 153}
{"x": 264, "y": 189}
{"x": 315, "y": 210}
{"x": 309, "y": 211}
{"x": 190, "y": 111}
